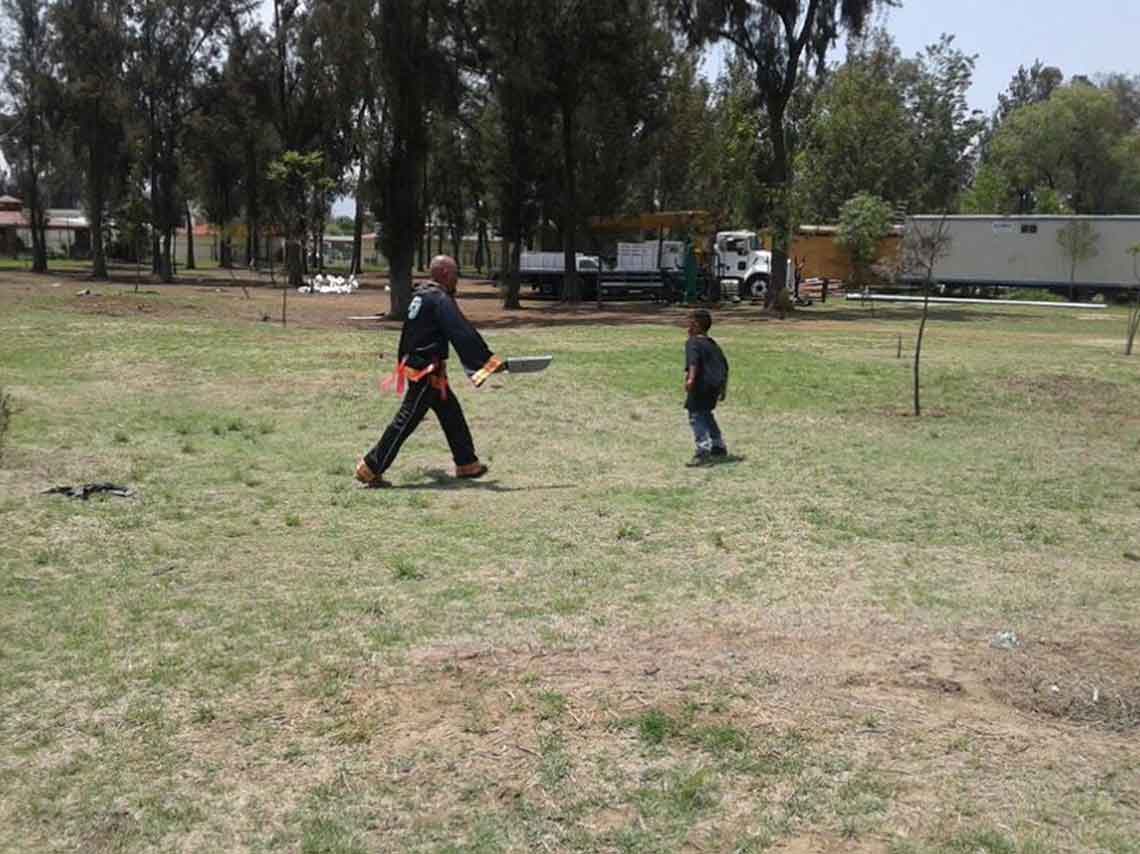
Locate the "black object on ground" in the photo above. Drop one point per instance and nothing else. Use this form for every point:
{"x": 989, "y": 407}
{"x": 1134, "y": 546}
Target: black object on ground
{"x": 86, "y": 490}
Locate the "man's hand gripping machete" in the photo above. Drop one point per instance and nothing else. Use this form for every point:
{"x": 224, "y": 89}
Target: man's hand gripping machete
{"x": 515, "y": 365}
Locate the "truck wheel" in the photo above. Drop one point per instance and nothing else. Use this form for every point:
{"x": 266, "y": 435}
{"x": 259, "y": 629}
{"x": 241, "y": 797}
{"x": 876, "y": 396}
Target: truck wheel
{"x": 754, "y": 288}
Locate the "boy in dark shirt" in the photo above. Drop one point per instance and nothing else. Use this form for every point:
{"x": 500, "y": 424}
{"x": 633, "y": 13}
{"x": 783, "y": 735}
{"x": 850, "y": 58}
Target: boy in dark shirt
{"x": 706, "y": 383}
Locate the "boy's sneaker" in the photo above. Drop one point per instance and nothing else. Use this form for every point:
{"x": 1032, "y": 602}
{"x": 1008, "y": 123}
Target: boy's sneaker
{"x": 699, "y": 460}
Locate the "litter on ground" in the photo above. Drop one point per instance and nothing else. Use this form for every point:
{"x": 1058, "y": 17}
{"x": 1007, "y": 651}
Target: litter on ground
{"x": 86, "y": 490}
{"x": 321, "y": 284}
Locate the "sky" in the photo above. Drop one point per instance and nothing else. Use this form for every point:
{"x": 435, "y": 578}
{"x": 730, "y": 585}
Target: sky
{"x": 1004, "y": 34}
{"x": 1094, "y": 36}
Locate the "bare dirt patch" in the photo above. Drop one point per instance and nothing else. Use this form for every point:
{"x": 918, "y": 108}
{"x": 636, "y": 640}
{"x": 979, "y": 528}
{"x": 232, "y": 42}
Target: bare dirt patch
{"x": 1062, "y": 389}
{"x": 217, "y": 296}
{"x": 1093, "y": 680}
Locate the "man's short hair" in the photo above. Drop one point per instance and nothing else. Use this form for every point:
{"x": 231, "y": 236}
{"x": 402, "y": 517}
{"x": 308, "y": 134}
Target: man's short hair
{"x": 703, "y": 319}
{"x": 443, "y": 262}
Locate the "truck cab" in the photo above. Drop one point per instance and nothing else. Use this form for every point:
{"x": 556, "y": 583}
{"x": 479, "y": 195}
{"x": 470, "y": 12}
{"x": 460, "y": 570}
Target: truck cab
{"x": 740, "y": 257}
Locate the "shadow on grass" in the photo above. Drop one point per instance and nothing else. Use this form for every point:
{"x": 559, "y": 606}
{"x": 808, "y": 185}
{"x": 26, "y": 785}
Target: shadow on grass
{"x": 442, "y": 480}
{"x": 717, "y": 462}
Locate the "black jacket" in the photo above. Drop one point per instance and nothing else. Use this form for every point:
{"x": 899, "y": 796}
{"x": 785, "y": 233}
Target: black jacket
{"x": 434, "y": 321}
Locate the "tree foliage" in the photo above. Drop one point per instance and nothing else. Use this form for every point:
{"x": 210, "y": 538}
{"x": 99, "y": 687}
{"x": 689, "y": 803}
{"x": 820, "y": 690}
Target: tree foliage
{"x": 418, "y": 81}
{"x": 523, "y": 118}
{"x": 777, "y": 38}
{"x": 1077, "y": 151}
{"x": 90, "y": 48}
{"x": 864, "y": 221}
{"x": 171, "y": 50}
{"x": 300, "y": 178}
{"x": 28, "y": 87}
{"x": 898, "y": 128}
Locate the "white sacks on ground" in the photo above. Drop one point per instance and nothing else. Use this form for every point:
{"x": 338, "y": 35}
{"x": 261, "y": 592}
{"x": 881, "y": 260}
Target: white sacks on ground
{"x": 321, "y": 284}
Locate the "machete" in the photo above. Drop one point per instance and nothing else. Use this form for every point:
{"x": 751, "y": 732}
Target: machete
{"x": 516, "y": 365}
{"x": 528, "y": 364}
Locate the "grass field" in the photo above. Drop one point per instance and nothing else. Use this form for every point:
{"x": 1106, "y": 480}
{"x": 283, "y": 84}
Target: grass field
{"x": 596, "y": 648}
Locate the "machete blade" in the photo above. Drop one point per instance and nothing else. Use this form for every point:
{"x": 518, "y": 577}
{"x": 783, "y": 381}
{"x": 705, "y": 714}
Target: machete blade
{"x": 528, "y": 364}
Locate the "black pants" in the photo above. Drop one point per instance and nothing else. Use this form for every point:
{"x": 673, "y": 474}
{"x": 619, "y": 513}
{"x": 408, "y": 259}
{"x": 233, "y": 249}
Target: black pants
{"x": 419, "y": 398}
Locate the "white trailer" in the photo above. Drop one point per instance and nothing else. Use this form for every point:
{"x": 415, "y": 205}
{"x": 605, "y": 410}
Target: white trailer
{"x": 1025, "y": 251}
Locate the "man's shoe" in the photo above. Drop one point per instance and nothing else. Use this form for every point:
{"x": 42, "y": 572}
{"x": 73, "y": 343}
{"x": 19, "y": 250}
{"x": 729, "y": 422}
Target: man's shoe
{"x": 720, "y": 452}
{"x": 368, "y": 477}
{"x": 698, "y": 460}
{"x": 470, "y": 471}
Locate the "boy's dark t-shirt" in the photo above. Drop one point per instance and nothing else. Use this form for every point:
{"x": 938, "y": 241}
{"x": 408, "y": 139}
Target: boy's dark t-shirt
{"x": 705, "y": 355}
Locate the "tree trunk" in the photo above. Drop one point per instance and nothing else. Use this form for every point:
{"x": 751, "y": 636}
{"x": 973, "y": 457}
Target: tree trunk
{"x": 189, "y": 239}
{"x": 294, "y": 263}
{"x": 918, "y": 344}
{"x": 511, "y": 253}
{"x": 35, "y": 209}
{"x": 39, "y": 243}
{"x": 1133, "y": 324}
{"x": 571, "y": 283}
{"x": 283, "y": 101}
{"x": 356, "y": 268}
{"x": 223, "y": 239}
{"x": 269, "y": 255}
{"x": 166, "y": 258}
{"x": 425, "y": 223}
{"x": 155, "y": 199}
{"x": 95, "y": 182}
{"x": 252, "y": 210}
{"x": 39, "y": 230}
{"x": 319, "y": 245}
{"x": 781, "y": 215}
{"x": 400, "y": 281}
{"x": 481, "y": 247}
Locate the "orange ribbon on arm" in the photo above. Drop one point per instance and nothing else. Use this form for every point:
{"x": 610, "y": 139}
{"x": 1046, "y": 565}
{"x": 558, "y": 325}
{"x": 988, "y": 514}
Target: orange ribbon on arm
{"x": 493, "y": 365}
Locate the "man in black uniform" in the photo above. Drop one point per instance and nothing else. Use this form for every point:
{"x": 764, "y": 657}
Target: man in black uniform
{"x": 434, "y": 321}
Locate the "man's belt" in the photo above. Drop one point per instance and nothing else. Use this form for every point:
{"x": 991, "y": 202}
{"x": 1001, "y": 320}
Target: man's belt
{"x": 435, "y": 374}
